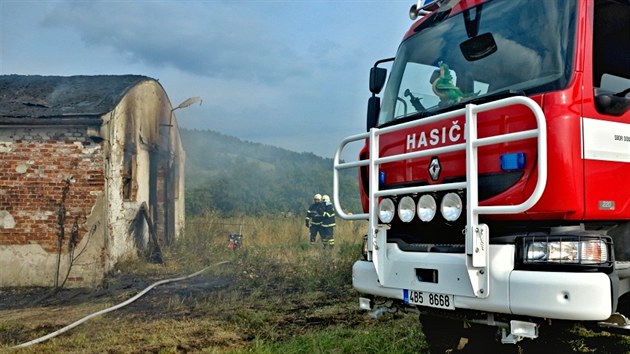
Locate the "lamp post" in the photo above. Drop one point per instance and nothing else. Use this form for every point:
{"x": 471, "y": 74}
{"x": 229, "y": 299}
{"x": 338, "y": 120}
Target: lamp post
{"x": 170, "y": 176}
{"x": 188, "y": 102}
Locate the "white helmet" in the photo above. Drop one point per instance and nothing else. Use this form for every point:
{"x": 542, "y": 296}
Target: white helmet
{"x": 326, "y": 198}
{"x": 317, "y": 197}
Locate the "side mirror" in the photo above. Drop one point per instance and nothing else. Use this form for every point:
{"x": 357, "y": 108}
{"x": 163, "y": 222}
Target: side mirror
{"x": 478, "y": 47}
{"x": 377, "y": 79}
{"x": 612, "y": 104}
{"x": 373, "y": 110}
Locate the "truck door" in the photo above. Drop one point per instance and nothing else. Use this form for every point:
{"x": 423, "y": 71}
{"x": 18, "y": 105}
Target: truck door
{"x": 606, "y": 111}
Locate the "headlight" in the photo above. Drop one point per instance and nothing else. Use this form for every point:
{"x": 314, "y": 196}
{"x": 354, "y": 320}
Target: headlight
{"x": 386, "y": 210}
{"x": 406, "y": 209}
{"x": 426, "y": 208}
{"x": 451, "y": 207}
{"x": 572, "y": 250}
{"x": 535, "y": 251}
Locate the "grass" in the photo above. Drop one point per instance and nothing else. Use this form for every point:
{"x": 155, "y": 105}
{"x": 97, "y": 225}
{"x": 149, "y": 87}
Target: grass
{"x": 283, "y": 295}
{"x": 403, "y": 337}
{"x": 277, "y": 294}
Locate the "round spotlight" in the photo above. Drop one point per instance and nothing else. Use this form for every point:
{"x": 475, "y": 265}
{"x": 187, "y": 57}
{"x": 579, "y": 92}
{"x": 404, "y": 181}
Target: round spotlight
{"x": 386, "y": 210}
{"x": 451, "y": 207}
{"x": 427, "y": 208}
{"x": 413, "y": 12}
{"x": 406, "y": 209}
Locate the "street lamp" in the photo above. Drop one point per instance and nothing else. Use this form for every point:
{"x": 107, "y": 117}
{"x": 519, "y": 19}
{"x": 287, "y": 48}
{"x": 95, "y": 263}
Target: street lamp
{"x": 171, "y": 176}
{"x": 188, "y": 102}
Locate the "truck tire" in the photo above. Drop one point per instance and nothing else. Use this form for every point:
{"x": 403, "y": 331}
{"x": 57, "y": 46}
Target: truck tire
{"x": 445, "y": 335}
{"x": 621, "y": 239}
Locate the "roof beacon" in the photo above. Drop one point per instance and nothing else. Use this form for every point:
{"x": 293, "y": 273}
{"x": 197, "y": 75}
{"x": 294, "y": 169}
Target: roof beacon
{"x": 424, "y": 7}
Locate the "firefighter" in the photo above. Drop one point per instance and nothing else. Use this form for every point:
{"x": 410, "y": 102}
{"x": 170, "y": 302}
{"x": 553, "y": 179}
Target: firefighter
{"x": 328, "y": 223}
{"x": 314, "y": 216}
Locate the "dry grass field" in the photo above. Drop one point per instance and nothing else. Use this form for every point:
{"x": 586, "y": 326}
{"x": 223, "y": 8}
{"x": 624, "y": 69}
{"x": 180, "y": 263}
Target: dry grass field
{"x": 277, "y": 294}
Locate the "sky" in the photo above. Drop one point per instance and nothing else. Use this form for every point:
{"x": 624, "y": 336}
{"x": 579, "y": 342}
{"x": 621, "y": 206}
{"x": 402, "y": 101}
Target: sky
{"x": 287, "y": 73}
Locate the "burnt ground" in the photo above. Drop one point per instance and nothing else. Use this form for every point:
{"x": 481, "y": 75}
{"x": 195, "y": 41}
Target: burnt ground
{"x": 119, "y": 287}
{"x": 27, "y": 313}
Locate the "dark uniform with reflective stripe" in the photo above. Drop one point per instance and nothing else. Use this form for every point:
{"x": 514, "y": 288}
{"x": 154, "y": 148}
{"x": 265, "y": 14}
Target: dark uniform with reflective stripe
{"x": 314, "y": 216}
{"x": 328, "y": 225}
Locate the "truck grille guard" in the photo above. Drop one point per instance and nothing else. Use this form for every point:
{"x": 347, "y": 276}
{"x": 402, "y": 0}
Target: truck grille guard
{"x": 476, "y": 234}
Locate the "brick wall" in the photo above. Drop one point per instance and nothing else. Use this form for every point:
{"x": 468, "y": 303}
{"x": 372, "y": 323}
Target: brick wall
{"x": 50, "y": 179}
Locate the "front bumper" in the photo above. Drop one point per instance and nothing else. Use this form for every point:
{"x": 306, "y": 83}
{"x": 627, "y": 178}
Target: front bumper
{"x": 554, "y": 295}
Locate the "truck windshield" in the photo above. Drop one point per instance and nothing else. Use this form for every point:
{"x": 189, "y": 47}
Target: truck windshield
{"x": 534, "y": 44}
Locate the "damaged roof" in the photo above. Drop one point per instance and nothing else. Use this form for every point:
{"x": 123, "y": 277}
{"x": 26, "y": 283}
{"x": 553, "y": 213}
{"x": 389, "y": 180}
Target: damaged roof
{"x": 40, "y": 97}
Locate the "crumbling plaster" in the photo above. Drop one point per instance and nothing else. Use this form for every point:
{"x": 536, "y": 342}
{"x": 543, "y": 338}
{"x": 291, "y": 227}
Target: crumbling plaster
{"x": 138, "y": 139}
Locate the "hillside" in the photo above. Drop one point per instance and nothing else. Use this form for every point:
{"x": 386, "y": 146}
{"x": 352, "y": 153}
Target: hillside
{"x": 226, "y": 174}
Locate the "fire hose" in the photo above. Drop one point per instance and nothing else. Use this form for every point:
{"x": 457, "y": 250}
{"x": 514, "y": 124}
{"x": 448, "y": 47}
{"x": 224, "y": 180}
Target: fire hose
{"x": 115, "y": 307}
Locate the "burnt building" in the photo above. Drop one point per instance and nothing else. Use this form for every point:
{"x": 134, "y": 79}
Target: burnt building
{"x": 91, "y": 173}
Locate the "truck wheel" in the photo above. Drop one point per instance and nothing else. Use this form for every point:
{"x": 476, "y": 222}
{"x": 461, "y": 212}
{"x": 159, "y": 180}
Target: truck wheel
{"x": 451, "y": 336}
{"x": 621, "y": 238}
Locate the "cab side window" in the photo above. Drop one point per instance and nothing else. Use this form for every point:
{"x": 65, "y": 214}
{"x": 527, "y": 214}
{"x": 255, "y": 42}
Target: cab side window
{"x": 611, "y": 56}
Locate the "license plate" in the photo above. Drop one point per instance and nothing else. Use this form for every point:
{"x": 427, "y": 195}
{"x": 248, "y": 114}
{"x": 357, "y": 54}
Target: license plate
{"x": 423, "y": 298}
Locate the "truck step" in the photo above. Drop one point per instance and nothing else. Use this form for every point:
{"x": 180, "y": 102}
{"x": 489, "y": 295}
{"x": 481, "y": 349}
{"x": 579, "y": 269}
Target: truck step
{"x": 616, "y": 323}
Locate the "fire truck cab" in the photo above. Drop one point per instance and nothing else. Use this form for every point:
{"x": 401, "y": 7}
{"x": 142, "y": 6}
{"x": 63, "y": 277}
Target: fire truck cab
{"x": 495, "y": 173}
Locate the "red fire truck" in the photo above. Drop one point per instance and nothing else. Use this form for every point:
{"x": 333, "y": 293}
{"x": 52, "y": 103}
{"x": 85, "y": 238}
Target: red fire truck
{"x": 495, "y": 173}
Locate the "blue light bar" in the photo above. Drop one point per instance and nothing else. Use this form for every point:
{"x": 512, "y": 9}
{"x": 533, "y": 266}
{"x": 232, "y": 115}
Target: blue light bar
{"x": 513, "y": 161}
{"x": 381, "y": 178}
